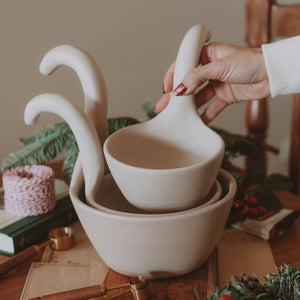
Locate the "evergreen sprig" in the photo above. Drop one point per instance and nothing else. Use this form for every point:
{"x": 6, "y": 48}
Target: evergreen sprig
{"x": 44, "y": 145}
{"x": 282, "y": 285}
{"x": 40, "y": 148}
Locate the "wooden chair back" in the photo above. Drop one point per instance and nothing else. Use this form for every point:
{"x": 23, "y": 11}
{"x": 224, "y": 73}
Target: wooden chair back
{"x": 266, "y": 20}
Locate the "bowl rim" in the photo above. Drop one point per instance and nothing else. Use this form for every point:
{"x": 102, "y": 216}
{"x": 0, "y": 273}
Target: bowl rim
{"x": 218, "y": 154}
{"x": 215, "y": 197}
{"x": 156, "y": 217}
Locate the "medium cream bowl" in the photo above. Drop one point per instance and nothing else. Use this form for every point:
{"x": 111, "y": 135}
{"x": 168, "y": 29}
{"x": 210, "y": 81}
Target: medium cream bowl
{"x": 110, "y": 199}
{"x": 155, "y": 245}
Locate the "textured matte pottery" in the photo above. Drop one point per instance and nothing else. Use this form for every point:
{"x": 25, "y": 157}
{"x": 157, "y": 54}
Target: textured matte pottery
{"x": 178, "y": 177}
{"x": 155, "y": 245}
{"x": 170, "y": 162}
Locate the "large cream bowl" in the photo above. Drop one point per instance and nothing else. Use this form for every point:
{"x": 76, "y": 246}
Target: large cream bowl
{"x": 155, "y": 245}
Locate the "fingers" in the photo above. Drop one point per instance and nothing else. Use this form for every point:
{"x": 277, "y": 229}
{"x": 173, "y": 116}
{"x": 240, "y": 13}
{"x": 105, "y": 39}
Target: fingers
{"x": 213, "y": 110}
{"x": 162, "y": 103}
{"x": 195, "y": 77}
{"x": 215, "y": 66}
{"x": 204, "y": 95}
{"x": 168, "y": 79}
{"x": 214, "y": 51}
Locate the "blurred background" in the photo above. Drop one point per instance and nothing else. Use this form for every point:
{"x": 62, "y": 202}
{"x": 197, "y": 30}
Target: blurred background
{"x": 133, "y": 42}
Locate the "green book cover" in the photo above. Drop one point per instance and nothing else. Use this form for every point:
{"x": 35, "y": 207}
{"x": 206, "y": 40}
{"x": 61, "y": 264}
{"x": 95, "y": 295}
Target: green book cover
{"x": 18, "y": 233}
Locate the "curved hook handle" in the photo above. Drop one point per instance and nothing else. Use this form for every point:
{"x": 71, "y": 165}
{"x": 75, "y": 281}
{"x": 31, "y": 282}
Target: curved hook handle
{"x": 189, "y": 51}
{"x": 91, "y": 78}
{"x": 90, "y": 149}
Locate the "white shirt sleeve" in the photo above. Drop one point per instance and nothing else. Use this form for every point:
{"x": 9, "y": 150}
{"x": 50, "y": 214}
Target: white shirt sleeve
{"x": 282, "y": 60}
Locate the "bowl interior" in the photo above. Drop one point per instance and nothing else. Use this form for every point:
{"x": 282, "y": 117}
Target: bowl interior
{"x": 110, "y": 198}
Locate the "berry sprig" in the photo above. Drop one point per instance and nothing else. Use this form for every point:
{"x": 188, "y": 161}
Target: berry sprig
{"x": 249, "y": 208}
{"x": 255, "y": 197}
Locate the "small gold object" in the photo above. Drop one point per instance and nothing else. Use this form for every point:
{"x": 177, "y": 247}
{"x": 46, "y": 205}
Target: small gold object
{"x": 140, "y": 288}
{"x": 61, "y": 238}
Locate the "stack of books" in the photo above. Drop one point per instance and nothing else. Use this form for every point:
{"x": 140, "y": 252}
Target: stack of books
{"x": 18, "y": 233}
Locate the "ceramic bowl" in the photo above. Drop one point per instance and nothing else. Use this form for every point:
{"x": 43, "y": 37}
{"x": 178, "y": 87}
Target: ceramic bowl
{"x": 111, "y": 199}
{"x": 155, "y": 245}
{"x": 154, "y": 174}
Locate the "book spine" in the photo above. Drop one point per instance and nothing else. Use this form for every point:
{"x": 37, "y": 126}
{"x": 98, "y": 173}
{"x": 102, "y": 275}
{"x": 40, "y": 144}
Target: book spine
{"x": 34, "y": 235}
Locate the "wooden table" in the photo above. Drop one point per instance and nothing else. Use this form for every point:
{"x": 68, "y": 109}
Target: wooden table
{"x": 285, "y": 248}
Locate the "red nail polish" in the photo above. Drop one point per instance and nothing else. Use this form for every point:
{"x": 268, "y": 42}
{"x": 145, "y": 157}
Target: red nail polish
{"x": 180, "y": 90}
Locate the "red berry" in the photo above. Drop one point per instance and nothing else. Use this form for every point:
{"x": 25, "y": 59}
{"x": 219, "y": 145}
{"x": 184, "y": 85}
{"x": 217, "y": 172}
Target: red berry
{"x": 239, "y": 205}
{"x": 261, "y": 211}
{"x": 225, "y": 297}
{"x": 242, "y": 215}
{"x": 251, "y": 201}
{"x": 252, "y": 213}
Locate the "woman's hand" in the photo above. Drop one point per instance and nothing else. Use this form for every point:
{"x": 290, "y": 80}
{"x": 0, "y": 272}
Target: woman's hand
{"x": 234, "y": 73}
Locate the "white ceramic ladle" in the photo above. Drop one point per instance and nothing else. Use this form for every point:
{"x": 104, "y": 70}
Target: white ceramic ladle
{"x": 170, "y": 162}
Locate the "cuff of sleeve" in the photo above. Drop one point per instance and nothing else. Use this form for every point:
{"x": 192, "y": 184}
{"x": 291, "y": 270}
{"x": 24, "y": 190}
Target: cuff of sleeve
{"x": 282, "y": 61}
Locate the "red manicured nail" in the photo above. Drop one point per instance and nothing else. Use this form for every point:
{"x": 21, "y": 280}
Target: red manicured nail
{"x": 180, "y": 90}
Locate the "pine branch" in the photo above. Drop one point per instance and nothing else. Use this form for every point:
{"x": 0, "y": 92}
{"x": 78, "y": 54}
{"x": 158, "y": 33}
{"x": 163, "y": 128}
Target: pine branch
{"x": 70, "y": 160}
{"x": 283, "y": 285}
{"x": 48, "y": 133}
{"x": 114, "y": 124}
{"x": 39, "y": 149}
{"x": 44, "y": 145}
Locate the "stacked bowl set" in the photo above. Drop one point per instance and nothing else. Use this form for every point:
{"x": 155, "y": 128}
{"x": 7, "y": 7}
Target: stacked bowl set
{"x": 154, "y": 201}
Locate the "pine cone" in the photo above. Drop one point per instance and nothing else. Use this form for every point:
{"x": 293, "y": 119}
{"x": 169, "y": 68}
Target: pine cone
{"x": 250, "y": 282}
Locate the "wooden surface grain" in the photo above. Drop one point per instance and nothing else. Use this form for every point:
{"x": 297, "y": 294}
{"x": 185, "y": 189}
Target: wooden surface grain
{"x": 285, "y": 249}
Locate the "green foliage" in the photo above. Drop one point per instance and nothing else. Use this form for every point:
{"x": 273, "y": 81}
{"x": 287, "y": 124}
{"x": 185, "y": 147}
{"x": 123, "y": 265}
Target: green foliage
{"x": 44, "y": 145}
{"x": 235, "y": 144}
{"x": 283, "y": 285}
{"x": 148, "y": 108}
{"x": 277, "y": 182}
{"x": 268, "y": 200}
{"x": 256, "y": 172}
{"x": 114, "y": 124}
{"x": 237, "y": 292}
{"x": 39, "y": 148}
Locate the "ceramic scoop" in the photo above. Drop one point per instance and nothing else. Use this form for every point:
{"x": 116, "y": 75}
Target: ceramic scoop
{"x": 170, "y": 162}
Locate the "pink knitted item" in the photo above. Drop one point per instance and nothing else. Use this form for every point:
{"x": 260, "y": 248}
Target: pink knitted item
{"x": 29, "y": 190}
